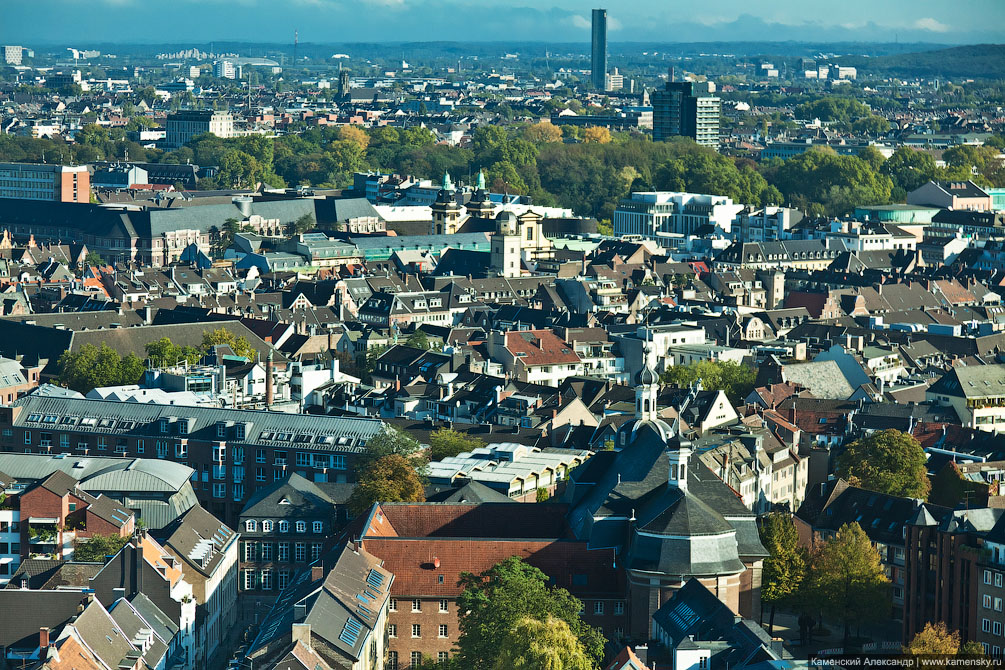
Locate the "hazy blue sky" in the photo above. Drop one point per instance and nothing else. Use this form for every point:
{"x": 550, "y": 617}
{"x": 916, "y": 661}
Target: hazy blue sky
{"x": 89, "y": 21}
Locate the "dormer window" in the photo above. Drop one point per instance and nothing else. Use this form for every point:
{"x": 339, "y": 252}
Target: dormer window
{"x": 251, "y": 525}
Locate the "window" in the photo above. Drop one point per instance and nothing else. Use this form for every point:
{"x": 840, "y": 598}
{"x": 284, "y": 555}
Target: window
{"x": 998, "y": 604}
{"x": 986, "y": 625}
{"x": 703, "y": 662}
{"x": 619, "y": 608}
{"x": 260, "y": 455}
{"x": 284, "y": 526}
{"x": 416, "y": 630}
{"x": 300, "y": 552}
{"x": 442, "y": 656}
{"x": 392, "y": 630}
{"x": 259, "y": 474}
{"x": 987, "y": 602}
{"x": 162, "y": 449}
{"x": 45, "y": 439}
{"x": 443, "y": 605}
{"x": 443, "y": 630}
{"x": 267, "y": 526}
{"x": 266, "y": 580}
{"x": 219, "y": 490}
{"x": 416, "y": 657}
{"x": 319, "y": 526}
{"x": 27, "y": 437}
{"x": 338, "y": 462}
{"x": 301, "y": 526}
{"x": 392, "y": 660}
{"x": 998, "y": 579}
{"x": 997, "y": 628}
{"x": 315, "y": 551}
{"x": 598, "y": 607}
{"x": 303, "y": 459}
{"x": 181, "y": 450}
{"x": 416, "y": 605}
{"x": 284, "y": 552}
{"x": 266, "y": 551}
{"x": 221, "y": 430}
{"x": 139, "y": 446}
{"x": 284, "y": 579}
{"x": 392, "y": 605}
{"x": 250, "y": 580}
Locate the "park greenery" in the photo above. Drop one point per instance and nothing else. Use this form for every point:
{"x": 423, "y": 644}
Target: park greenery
{"x": 391, "y": 478}
{"x": 445, "y": 442}
{"x": 97, "y": 547}
{"x": 735, "y": 379}
{"x": 92, "y": 367}
{"x": 588, "y": 174}
{"x": 846, "y": 580}
{"x": 510, "y": 608}
{"x": 889, "y": 461}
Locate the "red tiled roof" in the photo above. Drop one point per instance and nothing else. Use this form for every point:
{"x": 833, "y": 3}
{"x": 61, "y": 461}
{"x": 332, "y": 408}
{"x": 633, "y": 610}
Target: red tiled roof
{"x": 412, "y": 562}
{"x": 929, "y": 434}
{"x": 540, "y": 347}
{"x": 486, "y": 520}
{"x": 625, "y": 657}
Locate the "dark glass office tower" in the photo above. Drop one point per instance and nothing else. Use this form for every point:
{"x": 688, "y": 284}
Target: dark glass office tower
{"x": 599, "y": 62}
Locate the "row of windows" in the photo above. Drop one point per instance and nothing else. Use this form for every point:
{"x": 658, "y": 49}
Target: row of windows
{"x": 993, "y": 627}
{"x": 996, "y": 603}
{"x": 997, "y": 578}
{"x": 254, "y": 579}
{"x": 417, "y": 605}
{"x": 251, "y": 526}
{"x": 415, "y": 658}
{"x": 392, "y": 630}
{"x": 263, "y": 551}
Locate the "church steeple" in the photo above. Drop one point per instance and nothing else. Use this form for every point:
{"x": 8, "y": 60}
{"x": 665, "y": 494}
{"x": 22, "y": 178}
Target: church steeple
{"x": 647, "y": 387}
{"x": 446, "y": 211}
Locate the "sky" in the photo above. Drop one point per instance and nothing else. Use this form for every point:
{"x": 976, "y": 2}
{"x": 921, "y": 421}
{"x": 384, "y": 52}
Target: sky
{"x": 85, "y": 22}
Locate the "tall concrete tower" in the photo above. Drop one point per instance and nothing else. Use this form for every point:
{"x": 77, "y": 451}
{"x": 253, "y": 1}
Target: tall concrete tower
{"x": 598, "y": 66}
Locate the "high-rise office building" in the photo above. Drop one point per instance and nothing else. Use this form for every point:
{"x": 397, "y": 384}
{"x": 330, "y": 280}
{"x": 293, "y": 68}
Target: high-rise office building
{"x": 687, "y": 108}
{"x": 598, "y": 65}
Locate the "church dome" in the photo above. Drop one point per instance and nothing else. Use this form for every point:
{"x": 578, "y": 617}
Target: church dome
{"x": 647, "y": 377}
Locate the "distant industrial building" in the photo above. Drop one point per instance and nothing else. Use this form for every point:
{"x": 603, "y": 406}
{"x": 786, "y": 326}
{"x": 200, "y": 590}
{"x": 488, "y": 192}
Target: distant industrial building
{"x": 598, "y": 63}
{"x": 13, "y": 55}
{"x": 689, "y": 109}
{"x": 53, "y": 183}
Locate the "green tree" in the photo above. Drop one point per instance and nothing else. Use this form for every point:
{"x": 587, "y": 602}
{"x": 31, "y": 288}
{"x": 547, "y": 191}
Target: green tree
{"x": 934, "y": 639}
{"x": 542, "y": 645}
{"x": 91, "y": 367}
{"x": 735, "y": 379}
{"x": 494, "y": 602}
{"x": 971, "y": 648}
{"x": 417, "y": 339}
{"x": 164, "y": 352}
{"x": 93, "y": 258}
{"x": 785, "y": 568}
{"x": 97, "y": 547}
{"x": 390, "y": 478}
{"x": 887, "y": 461}
{"x": 391, "y": 441}
{"x": 445, "y": 442}
{"x": 909, "y": 168}
{"x": 302, "y": 225}
{"x": 847, "y": 580}
{"x": 238, "y": 344}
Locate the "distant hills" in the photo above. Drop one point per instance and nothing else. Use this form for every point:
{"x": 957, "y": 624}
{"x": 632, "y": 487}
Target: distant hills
{"x": 983, "y": 61}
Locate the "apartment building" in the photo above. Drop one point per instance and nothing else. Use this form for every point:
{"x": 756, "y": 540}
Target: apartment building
{"x": 233, "y": 452}
{"x": 184, "y": 125}
{"x": 51, "y": 183}
{"x": 284, "y": 527}
{"x": 976, "y": 392}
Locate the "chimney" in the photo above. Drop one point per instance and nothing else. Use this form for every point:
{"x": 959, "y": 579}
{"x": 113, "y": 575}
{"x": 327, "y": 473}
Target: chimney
{"x": 118, "y": 593}
{"x": 317, "y": 572}
{"x": 302, "y": 634}
{"x": 269, "y": 390}
{"x": 43, "y": 638}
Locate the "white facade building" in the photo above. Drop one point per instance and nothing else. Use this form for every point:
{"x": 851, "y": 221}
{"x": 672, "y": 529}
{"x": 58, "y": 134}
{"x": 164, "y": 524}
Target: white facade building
{"x": 658, "y": 215}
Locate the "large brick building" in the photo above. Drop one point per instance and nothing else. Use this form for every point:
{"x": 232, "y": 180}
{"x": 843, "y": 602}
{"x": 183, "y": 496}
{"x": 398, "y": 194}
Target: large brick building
{"x": 234, "y": 452}
{"x": 428, "y": 545}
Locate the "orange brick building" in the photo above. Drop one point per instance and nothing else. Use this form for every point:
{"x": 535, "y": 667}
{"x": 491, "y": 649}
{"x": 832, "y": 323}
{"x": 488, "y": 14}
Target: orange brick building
{"x": 36, "y": 181}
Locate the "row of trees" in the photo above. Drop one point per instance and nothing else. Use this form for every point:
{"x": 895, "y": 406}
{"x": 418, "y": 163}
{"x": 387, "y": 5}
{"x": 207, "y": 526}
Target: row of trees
{"x": 92, "y": 367}
{"x": 843, "y": 577}
{"x": 735, "y": 379}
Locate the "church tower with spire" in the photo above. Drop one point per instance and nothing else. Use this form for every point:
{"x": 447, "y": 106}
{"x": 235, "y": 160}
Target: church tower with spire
{"x": 647, "y": 388}
{"x": 446, "y": 211}
{"x": 480, "y": 205}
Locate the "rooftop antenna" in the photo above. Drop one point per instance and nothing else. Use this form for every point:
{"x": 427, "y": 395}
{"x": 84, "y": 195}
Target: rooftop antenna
{"x": 296, "y": 41}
